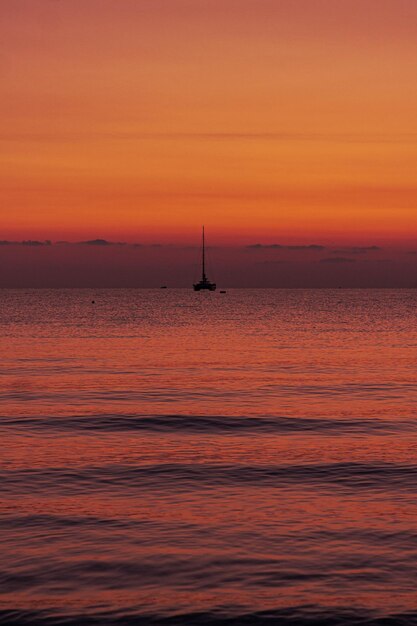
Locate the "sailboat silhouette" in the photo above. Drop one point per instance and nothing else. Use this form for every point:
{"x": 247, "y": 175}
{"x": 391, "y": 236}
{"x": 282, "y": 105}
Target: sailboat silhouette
{"x": 204, "y": 283}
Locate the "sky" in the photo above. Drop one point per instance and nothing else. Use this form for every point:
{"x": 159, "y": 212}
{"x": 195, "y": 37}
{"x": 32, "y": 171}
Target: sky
{"x": 273, "y": 122}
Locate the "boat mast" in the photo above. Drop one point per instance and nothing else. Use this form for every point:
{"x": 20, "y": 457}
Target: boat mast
{"x": 204, "y": 264}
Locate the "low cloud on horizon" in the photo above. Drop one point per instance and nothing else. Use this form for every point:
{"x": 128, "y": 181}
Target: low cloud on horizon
{"x": 100, "y": 262}
{"x": 357, "y": 249}
{"x": 26, "y": 242}
{"x": 102, "y": 242}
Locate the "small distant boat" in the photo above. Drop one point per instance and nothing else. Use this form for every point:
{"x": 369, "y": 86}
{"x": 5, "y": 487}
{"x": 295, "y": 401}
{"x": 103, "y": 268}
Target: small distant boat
{"x": 204, "y": 284}
{"x": 164, "y": 287}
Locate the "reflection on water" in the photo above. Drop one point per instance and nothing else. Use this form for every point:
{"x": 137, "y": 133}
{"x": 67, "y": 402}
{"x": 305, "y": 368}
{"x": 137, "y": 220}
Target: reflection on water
{"x": 194, "y": 458}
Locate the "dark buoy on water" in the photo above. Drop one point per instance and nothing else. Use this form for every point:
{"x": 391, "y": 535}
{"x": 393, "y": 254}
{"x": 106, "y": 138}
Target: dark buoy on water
{"x": 164, "y": 287}
{"x": 93, "y": 301}
{"x": 222, "y": 292}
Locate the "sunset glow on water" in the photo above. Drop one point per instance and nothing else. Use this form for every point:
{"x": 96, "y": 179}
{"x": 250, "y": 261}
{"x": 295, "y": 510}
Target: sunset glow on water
{"x": 211, "y": 457}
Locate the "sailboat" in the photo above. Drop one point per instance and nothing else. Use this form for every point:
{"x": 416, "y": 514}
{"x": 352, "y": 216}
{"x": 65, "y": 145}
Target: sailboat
{"x": 204, "y": 283}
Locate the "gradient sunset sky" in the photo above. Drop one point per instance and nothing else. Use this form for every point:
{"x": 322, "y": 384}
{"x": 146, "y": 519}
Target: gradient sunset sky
{"x": 267, "y": 120}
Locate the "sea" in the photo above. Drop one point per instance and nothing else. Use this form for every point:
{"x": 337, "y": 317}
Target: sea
{"x": 178, "y": 458}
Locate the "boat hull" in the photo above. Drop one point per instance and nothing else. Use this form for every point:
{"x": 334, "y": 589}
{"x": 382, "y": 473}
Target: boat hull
{"x": 204, "y": 286}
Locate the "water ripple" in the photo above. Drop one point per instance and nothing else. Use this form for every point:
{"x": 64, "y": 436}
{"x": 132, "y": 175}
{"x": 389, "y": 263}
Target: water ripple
{"x": 299, "y": 616}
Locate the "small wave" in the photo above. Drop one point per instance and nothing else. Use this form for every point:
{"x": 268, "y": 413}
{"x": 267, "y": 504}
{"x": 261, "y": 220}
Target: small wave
{"x": 56, "y": 522}
{"x": 207, "y": 424}
{"x": 382, "y": 476}
{"x": 302, "y": 616}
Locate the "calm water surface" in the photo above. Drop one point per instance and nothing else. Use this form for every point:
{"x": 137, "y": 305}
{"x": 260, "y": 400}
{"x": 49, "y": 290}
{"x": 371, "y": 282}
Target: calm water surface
{"x": 178, "y": 458}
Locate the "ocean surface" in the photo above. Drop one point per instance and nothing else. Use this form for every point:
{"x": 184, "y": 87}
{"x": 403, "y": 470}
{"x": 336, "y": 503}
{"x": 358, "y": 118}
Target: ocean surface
{"x": 170, "y": 457}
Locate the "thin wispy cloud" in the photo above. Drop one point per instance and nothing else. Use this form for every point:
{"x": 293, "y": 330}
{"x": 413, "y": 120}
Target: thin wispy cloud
{"x": 337, "y": 260}
{"x": 277, "y": 246}
{"x": 278, "y": 136}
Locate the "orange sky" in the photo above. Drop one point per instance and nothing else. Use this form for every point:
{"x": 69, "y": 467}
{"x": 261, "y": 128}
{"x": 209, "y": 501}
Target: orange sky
{"x": 138, "y": 120}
